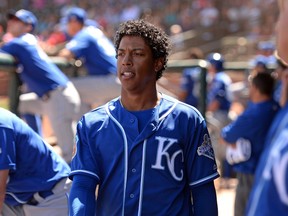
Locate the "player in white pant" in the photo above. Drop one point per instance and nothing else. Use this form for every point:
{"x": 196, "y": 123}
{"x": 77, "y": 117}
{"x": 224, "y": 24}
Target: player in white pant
{"x": 56, "y": 96}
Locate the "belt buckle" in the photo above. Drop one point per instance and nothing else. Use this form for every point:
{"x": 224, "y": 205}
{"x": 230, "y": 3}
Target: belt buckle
{"x": 32, "y": 202}
{"x": 46, "y": 96}
{"x": 45, "y": 194}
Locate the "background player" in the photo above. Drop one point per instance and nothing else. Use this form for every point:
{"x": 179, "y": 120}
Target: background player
{"x": 251, "y": 127}
{"x": 218, "y": 105}
{"x": 148, "y": 152}
{"x": 52, "y": 94}
{"x": 97, "y": 53}
{"x": 270, "y": 190}
{"x": 190, "y": 80}
{"x": 33, "y": 178}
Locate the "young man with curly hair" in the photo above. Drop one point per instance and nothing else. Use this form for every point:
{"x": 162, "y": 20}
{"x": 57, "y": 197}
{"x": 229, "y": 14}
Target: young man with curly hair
{"x": 149, "y": 153}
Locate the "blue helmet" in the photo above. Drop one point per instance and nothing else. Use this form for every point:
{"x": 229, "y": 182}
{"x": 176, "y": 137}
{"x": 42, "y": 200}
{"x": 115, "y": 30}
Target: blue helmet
{"x": 217, "y": 60}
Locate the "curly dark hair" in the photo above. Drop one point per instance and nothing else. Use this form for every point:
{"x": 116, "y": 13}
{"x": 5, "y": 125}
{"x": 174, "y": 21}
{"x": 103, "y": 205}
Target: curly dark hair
{"x": 155, "y": 38}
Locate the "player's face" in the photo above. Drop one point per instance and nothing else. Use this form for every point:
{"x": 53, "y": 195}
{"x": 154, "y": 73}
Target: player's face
{"x": 136, "y": 67}
{"x": 16, "y": 27}
{"x": 73, "y": 27}
{"x": 282, "y": 30}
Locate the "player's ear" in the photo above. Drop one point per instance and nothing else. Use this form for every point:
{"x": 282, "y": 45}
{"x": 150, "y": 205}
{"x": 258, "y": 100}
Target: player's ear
{"x": 158, "y": 64}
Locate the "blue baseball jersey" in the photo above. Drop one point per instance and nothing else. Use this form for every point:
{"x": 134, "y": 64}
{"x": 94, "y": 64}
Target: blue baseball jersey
{"x": 252, "y": 126}
{"x": 270, "y": 191}
{"x": 218, "y": 90}
{"x": 189, "y": 81}
{"x": 151, "y": 172}
{"x": 97, "y": 51}
{"x": 33, "y": 165}
{"x": 36, "y": 70}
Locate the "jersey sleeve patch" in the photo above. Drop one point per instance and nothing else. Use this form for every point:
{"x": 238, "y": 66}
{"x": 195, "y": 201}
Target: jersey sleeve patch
{"x": 205, "y": 149}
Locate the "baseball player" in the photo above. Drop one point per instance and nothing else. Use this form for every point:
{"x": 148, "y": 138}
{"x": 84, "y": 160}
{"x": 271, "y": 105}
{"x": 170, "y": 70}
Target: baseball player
{"x": 269, "y": 193}
{"x": 218, "y": 104}
{"x": 190, "y": 81}
{"x": 52, "y": 93}
{"x": 218, "y": 98}
{"x": 251, "y": 126}
{"x": 149, "y": 153}
{"x": 270, "y": 190}
{"x": 97, "y": 52}
{"x": 33, "y": 176}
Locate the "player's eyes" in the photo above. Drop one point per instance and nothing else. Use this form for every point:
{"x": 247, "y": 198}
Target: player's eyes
{"x": 119, "y": 54}
{"x": 138, "y": 54}
{"x": 122, "y": 54}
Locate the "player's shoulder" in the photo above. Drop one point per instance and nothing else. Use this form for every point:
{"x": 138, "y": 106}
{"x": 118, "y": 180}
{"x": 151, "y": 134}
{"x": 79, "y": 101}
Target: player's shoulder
{"x": 223, "y": 77}
{"x": 12, "y": 123}
{"x": 101, "y": 113}
{"x": 29, "y": 38}
{"x": 96, "y": 112}
{"x": 22, "y": 42}
{"x": 179, "y": 107}
{"x": 85, "y": 33}
{"x": 91, "y": 30}
{"x": 6, "y": 118}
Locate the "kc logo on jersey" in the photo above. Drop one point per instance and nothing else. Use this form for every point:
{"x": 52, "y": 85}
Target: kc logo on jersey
{"x": 163, "y": 151}
{"x": 206, "y": 148}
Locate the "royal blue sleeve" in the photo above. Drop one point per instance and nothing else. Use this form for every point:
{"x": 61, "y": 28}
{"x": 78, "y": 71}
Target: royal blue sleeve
{"x": 204, "y": 200}
{"x": 78, "y": 45}
{"x": 82, "y": 199}
{"x": 8, "y": 148}
{"x": 241, "y": 127}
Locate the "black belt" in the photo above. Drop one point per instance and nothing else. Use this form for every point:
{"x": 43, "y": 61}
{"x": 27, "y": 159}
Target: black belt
{"x": 43, "y": 194}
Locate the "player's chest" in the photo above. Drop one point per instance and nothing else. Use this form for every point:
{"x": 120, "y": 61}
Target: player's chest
{"x": 158, "y": 152}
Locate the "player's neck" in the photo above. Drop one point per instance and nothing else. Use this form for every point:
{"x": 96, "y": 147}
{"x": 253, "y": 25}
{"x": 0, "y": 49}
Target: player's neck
{"x": 139, "y": 102}
{"x": 261, "y": 98}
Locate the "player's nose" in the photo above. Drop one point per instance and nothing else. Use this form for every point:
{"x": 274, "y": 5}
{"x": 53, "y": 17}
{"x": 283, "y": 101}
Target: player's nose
{"x": 127, "y": 59}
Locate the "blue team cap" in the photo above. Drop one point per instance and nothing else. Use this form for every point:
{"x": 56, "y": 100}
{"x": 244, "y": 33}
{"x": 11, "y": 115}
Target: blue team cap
{"x": 259, "y": 60}
{"x": 217, "y": 60}
{"x": 25, "y": 16}
{"x": 76, "y": 14}
{"x": 266, "y": 45}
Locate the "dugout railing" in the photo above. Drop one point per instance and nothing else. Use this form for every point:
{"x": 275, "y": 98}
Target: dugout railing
{"x": 73, "y": 68}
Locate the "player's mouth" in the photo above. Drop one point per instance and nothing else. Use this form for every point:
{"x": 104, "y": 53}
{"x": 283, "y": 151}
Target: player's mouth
{"x": 127, "y": 74}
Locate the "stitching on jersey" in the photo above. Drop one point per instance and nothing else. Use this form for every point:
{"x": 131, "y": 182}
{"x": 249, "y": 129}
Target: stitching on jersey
{"x": 142, "y": 178}
{"x": 169, "y": 111}
{"x": 125, "y": 153}
{"x": 204, "y": 179}
{"x": 15, "y": 197}
{"x": 86, "y": 172}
